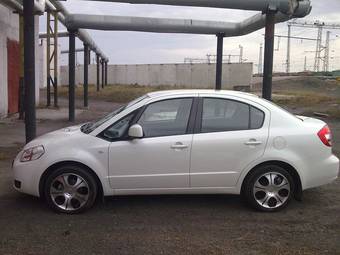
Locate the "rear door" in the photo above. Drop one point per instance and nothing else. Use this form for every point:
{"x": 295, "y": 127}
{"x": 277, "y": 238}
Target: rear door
{"x": 230, "y": 134}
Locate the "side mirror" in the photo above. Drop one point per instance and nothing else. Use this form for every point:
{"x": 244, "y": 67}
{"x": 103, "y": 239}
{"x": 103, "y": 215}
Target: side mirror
{"x": 136, "y": 131}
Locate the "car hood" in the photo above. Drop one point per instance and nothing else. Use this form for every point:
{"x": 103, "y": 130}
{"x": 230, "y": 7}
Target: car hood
{"x": 56, "y": 136}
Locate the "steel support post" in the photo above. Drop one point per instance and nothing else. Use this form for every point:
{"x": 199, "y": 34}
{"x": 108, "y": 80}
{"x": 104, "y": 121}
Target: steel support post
{"x": 268, "y": 56}
{"x": 103, "y": 72}
{"x": 48, "y": 60}
{"x": 29, "y": 70}
{"x": 21, "y": 79}
{"x": 288, "y": 48}
{"x": 219, "y": 61}
{"x": 86, "y": 74}
{"x": 55, "y": 56}
{"x": 72, "y": 69}
{"x": 98, "y": 65}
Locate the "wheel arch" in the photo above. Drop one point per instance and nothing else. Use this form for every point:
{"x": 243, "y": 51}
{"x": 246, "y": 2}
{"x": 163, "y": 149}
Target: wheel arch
{"x": 56, "y": 165}
{"x": 291, "y": 170}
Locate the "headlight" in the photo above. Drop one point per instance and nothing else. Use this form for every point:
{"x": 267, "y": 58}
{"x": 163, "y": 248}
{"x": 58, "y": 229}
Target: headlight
{"x": 32, "y": 153}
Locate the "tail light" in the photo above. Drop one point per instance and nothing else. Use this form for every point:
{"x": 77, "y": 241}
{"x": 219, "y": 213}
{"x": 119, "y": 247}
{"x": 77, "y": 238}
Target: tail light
{"x": 325, "y": 136}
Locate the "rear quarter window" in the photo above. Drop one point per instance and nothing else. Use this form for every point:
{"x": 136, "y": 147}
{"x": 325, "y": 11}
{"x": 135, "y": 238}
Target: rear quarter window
{"x": 256, "y": 118}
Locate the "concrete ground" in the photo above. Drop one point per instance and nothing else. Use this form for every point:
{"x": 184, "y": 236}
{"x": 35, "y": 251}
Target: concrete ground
{"x": 214, "y": 224}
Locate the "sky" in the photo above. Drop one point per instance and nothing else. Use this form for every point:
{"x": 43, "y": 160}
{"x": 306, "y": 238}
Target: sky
{"x": 154, "y": 48}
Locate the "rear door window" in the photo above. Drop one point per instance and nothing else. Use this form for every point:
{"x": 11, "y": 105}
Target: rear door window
{"x": 220, "y": 115}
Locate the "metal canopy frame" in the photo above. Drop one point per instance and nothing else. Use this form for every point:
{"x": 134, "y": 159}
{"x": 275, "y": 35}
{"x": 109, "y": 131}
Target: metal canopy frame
{"x": 298, "y": 8}
{"x": 161, "y": 25}
{"x": 272, "y": 11}
{"x": 52, "y": 57}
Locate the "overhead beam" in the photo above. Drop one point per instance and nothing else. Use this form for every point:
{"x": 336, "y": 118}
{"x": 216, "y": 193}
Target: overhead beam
{"x": 160, "y": 25}
{"x": 82, "y": 34}
{"x": 60, "y": 34}
{"x": 298, "y": 8}
{"x": 39, "y": 6}
{"x": 76, "y": 50}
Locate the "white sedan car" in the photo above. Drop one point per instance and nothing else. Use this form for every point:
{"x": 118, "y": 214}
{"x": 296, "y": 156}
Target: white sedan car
{"x": 181, "y": 142}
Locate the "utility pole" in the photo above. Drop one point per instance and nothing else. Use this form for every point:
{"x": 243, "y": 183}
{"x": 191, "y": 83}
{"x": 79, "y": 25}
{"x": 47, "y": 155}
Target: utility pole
{"x": 288, "y": 49}
{"x": 305, "y": 65}
{"x": 229, "y": 59}
{"x": 326, "y": 56}
{"x": 241, "y": 53}
{"x": 318, "y": 50}
{"x": 260, "y": 66}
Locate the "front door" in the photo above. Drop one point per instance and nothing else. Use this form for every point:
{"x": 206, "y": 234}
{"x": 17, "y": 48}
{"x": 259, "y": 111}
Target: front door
{"x": 161, "y": 159}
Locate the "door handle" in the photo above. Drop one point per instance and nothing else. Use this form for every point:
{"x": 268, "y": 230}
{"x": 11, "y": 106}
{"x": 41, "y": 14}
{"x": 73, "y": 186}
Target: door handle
{"x": 179, "y": 146}
{"x": 253, "y": 142}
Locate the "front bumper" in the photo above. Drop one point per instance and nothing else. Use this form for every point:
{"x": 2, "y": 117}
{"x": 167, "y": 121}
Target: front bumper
{"x": 27, "y": 176}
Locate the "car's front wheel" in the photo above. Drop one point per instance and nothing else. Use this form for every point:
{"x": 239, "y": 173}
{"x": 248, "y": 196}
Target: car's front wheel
{"x": 269, "y": 188}
{"x": 70, "y": 189}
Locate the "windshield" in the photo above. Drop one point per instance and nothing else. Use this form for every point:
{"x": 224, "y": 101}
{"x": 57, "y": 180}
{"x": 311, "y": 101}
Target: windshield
{"x": 89, "y": 127}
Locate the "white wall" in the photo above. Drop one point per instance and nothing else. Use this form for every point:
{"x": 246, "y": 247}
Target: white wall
{"x": 9, "y": 28}
{"x": 184, "y": 75}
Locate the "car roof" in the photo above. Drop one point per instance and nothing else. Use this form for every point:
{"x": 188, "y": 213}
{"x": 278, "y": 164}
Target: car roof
{"x": 200, "y": 91}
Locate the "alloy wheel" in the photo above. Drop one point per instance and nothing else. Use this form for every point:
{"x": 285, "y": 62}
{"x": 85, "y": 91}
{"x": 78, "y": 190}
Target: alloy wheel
{"x": 271, "y": 190}
{"x": 69, "y": 192}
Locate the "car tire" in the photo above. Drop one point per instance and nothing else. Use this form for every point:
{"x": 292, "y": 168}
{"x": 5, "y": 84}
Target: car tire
{"x": 268, "y": 188}
{"x": 70, "y": 189}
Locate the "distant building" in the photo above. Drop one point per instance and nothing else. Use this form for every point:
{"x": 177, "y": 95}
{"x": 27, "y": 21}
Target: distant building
{"x": 200, "y": 75}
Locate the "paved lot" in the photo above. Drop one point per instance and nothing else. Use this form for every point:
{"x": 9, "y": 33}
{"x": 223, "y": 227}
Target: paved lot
{"x": 215, "y": 224}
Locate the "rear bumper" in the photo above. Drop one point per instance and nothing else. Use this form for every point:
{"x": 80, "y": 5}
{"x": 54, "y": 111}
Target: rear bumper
{"x": 322, "y": 173}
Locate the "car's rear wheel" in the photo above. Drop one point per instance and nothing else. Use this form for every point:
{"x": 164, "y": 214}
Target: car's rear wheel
{"x": 269, "y": 188}
{"x": 70, "y": 189}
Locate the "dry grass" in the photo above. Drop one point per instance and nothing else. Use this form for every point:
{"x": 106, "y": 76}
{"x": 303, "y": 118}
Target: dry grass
{"x": 116, "y": 93}
{"x": 292, "y": 98}
{"x": 3, "y": 156}
{"x": 310, "y": 101}
{"x": 303, "y": 98}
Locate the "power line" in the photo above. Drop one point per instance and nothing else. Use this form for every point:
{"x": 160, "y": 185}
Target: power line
{"x": 321, "y": 52}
